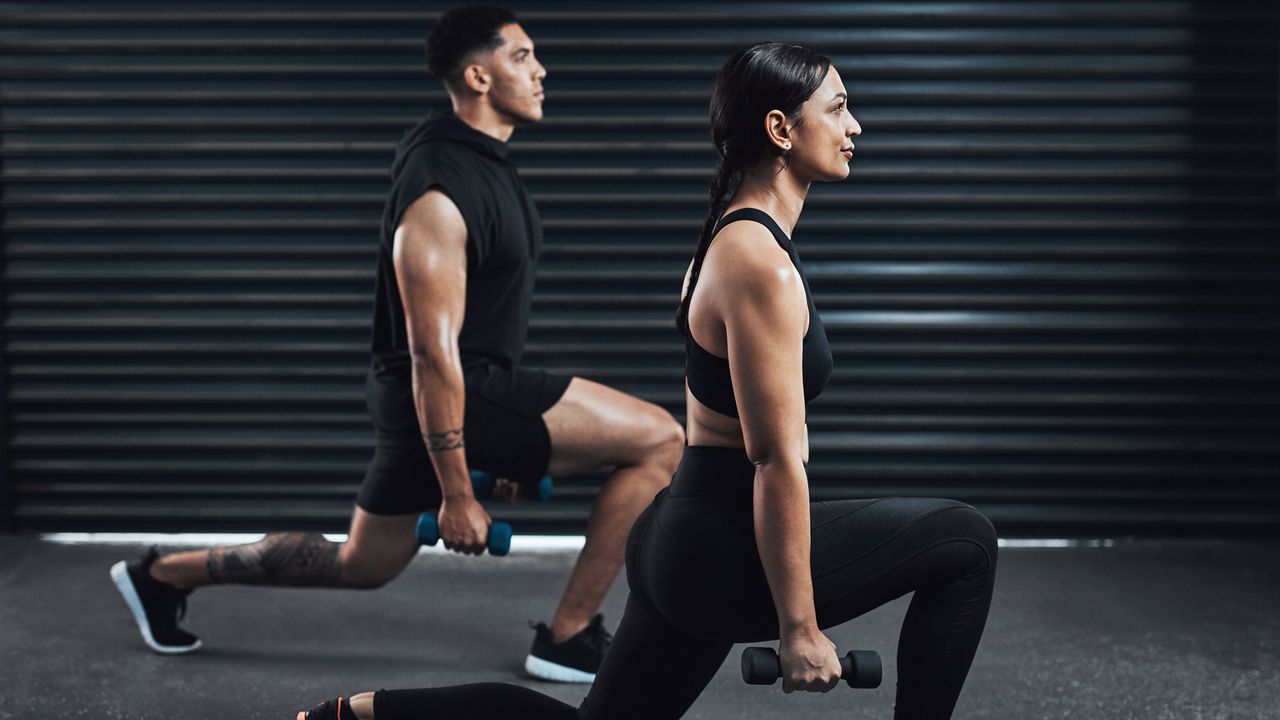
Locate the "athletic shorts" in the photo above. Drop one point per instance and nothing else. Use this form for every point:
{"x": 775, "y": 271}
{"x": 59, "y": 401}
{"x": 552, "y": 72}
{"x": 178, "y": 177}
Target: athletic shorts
{"x": 503, "y": 432}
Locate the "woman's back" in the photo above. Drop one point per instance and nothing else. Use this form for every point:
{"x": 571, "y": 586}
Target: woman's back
{"x": 750, "y": 301}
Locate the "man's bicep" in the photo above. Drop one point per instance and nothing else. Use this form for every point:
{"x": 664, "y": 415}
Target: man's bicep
{"x": 430, "y": 255}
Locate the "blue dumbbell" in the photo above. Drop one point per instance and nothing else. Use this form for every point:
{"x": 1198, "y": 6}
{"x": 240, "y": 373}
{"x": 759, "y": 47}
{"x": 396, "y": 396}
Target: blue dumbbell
{"x": 499, "y": 542}
{"x": 482, "y": 483}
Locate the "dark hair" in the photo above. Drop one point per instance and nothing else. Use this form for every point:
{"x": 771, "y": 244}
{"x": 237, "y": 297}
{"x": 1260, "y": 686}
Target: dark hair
{"x": 460, "y": 32}
{"x": 755, "y": 80}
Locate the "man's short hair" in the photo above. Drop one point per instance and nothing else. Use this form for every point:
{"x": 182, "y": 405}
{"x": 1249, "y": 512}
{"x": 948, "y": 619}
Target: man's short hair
{"x": 458, "y": 34}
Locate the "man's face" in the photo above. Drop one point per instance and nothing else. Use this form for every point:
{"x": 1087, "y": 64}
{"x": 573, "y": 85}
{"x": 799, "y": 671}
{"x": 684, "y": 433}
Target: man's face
{"x": 517, "y": 77}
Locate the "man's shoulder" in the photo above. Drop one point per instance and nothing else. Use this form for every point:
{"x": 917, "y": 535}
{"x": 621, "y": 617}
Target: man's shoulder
{"x": 438, "y": 154}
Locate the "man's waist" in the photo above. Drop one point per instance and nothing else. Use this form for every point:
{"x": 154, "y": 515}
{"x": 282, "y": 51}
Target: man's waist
{"x": 398, "y": 365}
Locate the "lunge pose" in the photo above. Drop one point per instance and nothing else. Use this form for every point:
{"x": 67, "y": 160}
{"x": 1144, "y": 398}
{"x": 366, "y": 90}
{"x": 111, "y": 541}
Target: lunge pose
{"x": 446, "y": 390}
{"x": 733, "y": 551}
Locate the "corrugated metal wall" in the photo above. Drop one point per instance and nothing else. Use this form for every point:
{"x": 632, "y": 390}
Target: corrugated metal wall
{"x": 1051, "y": 284}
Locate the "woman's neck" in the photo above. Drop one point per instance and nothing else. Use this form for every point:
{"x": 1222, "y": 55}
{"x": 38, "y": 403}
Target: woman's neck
{"x": 778, "y": 193}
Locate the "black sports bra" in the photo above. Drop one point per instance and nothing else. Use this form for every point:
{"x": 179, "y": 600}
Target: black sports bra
{"x": 708, "y": 375}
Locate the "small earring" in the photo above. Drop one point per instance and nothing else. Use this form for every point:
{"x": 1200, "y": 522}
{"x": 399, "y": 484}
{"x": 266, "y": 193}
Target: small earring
{"x": 786, "y": 146}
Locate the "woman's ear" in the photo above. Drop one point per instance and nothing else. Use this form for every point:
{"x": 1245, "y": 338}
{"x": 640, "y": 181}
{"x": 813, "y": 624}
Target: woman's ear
{"x": 778, "y": 130}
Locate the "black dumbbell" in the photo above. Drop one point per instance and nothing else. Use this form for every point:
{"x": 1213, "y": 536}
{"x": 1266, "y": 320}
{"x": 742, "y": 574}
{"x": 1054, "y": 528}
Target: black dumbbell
{"x": 859, "y": 668}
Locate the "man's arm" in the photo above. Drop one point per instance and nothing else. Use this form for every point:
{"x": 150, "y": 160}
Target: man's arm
{"x": 430, "y": 255}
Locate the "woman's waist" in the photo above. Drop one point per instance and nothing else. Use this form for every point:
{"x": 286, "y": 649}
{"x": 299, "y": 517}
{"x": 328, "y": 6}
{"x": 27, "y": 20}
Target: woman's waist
{"x": 713, "y": 471}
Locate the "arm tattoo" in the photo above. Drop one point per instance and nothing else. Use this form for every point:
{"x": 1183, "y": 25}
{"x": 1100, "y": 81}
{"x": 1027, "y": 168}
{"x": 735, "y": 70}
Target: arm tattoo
{"x": 289, "y": 559}
{"x": 447, "y": 440}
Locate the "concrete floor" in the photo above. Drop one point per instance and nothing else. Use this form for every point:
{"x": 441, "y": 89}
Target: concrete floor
{"x": 1182, "y": 630}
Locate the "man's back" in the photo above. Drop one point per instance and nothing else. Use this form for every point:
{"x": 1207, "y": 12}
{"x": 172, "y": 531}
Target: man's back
{"x": 504, "y": 239}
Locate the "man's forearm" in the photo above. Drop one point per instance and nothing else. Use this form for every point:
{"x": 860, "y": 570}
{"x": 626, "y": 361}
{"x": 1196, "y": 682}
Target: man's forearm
{"x": 439, "y": 396}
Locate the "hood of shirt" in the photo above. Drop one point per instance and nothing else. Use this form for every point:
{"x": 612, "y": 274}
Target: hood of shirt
{"x": 444, "y": 126}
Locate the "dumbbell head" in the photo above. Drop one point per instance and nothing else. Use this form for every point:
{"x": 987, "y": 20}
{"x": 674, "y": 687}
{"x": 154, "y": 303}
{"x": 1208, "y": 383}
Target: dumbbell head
{"x": 499, "y": 539}
{"x": 862, "y": 669}
{"x": 481, "y": 483}
{"x": 544, "y": 489}
{"x": 428, "y": 530}
{"x": 760, "y": 666}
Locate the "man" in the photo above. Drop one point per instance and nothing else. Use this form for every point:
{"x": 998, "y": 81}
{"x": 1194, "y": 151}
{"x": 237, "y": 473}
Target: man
{"x": 456, "y": 265}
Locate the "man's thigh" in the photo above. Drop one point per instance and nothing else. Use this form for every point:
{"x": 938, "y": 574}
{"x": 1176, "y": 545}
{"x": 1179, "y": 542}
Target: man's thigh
{"x": 594, "y": 426}
{"x": 505, "y": 430}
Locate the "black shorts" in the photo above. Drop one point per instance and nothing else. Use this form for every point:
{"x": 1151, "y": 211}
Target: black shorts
{"x": 502, "y": 428}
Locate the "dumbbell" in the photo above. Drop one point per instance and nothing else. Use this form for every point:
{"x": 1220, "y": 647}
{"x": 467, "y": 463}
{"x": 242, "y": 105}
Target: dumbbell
{"x": 499, "y": 542}
{"x": 482, "y": 483}
{"x": 859, "y": 668}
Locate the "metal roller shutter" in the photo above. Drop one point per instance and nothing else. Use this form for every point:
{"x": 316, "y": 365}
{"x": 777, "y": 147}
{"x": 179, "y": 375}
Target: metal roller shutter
{"x": 1051, "y": 283}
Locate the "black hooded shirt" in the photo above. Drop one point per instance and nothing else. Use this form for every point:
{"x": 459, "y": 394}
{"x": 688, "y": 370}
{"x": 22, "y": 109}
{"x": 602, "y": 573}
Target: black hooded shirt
{"x": 504, "y": 239}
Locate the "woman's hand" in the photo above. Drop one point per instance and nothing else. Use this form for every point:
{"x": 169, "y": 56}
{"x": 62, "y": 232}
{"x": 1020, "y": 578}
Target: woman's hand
{"x": 809, "y": 661}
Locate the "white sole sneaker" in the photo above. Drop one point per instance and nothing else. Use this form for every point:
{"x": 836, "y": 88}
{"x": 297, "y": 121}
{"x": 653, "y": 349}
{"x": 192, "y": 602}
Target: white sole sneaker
{"x": 120, "y": 574}
{"x": 548, "y": 670}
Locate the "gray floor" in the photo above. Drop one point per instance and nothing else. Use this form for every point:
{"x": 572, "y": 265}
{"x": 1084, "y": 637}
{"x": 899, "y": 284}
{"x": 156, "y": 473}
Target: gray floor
{"x": 1188, "y": 630}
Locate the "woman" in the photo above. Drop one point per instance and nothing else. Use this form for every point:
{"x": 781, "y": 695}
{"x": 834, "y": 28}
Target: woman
{"x": 756, "y": 354}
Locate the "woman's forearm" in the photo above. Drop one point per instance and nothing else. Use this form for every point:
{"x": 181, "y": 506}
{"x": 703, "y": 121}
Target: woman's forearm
{"x": 782, "y": 537}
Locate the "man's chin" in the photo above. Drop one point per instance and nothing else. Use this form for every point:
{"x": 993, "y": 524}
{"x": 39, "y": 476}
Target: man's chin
{"x": 526, "y": 117}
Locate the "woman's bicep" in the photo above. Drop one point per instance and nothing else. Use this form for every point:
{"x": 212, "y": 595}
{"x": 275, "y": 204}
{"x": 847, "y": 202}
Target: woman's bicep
{"x": 764, "y": 329}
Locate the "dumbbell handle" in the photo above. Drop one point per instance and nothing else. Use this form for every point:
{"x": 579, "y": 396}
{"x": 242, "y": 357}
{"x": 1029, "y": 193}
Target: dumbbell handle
{"x": 858, "y": 668}
{"x": 499, "y": 540}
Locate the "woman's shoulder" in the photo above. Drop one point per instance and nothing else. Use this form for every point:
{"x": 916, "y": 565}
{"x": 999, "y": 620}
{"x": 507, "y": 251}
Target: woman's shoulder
{"x": 746, "y": 258}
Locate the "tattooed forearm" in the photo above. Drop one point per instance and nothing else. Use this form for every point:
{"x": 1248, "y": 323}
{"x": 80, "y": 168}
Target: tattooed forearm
{"x": 447, "y": 440}
{"x": 290, "y": 559}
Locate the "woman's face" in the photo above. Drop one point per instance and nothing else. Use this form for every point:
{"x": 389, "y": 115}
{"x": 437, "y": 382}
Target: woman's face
{"x": 822, "y": 145}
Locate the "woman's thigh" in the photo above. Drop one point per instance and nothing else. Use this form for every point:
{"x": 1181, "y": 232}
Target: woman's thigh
{"x": 652, "y": 671}
{"x": 865, "y": 554}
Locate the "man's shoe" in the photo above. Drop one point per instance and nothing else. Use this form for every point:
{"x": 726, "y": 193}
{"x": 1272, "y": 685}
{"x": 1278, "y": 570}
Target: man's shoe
{"x": 575, "y": 660}
{"x": 156, "y": 606}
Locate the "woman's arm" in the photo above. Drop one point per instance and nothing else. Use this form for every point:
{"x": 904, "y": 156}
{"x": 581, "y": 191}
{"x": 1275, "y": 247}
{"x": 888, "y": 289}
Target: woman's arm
{"x": 765, "y": 313}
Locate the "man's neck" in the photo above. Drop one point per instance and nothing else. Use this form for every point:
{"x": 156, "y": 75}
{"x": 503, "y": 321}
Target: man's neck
{"x": 483, "y": 118}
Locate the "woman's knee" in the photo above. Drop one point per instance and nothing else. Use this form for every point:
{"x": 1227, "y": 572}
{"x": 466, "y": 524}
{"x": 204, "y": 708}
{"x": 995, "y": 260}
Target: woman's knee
{"x": 976, "y": 528}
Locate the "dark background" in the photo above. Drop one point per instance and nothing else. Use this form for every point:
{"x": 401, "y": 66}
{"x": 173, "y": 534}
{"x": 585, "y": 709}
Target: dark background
{"x": 1052, "y": 282}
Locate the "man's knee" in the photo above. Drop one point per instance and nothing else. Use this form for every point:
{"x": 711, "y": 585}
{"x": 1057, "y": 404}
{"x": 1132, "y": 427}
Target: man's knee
{"x": 665, "y": 440}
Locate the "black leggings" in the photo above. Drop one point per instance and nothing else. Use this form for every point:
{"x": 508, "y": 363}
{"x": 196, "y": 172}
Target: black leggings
{"x": 697, "y": 587}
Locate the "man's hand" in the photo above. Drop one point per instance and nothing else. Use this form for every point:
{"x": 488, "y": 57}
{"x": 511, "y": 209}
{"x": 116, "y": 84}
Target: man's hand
{"x": 464, "y": 525}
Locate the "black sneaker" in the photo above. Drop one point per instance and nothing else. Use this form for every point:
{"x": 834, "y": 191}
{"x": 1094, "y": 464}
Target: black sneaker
{"x": 575, "y": 660}
{"x": 156, "y": 606}
{"x": 330, "y": 710}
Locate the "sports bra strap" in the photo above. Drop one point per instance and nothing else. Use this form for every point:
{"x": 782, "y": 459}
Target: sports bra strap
{"x": 759, "y": 216}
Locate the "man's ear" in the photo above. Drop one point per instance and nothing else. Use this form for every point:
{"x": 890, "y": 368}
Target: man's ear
{"x": 476, "y": 78}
